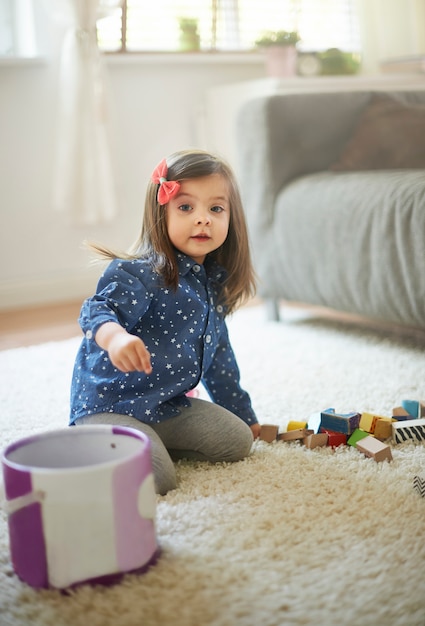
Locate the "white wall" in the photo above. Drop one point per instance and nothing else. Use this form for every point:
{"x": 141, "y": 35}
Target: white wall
{"x": 156, "y": 105}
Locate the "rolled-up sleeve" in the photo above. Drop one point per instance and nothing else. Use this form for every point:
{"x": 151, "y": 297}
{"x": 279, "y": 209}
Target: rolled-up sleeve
{"x": 121, "y": 297}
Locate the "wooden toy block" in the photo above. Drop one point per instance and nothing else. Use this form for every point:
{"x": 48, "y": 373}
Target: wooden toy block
{"x": 293, "y": 425}
{"x": 375, "y": 449}
{"x": 368, "y": 421}
{"x": 383, "y": 428}
{"x": 315, "y": 440}
{"x": 411, "y": 406}
{"x": 399, "y": 413}
{"x": 419, "y": 485}
{"x": 409, "y": 430}
{"x": 421, "y": 409}
{"x": 356, "y": 436}
{"x": 292, "y": 435}
{"x": 268, "y": 432}
{"x": 340, "y": 422}
{"x": 334, "y": 439}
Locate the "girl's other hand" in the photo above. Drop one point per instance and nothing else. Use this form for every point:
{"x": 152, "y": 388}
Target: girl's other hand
{"x": 255, "y": 428}
{"x": 127, "y": 352}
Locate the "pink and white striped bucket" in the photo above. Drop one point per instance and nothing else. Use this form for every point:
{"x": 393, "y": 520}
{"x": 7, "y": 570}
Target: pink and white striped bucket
{"x": 81, "y": 505}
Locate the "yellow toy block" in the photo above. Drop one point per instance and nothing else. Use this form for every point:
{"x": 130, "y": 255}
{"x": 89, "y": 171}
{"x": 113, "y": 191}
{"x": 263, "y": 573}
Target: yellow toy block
{"x": 293, "y": 425}
{"x": 368, "y": 421}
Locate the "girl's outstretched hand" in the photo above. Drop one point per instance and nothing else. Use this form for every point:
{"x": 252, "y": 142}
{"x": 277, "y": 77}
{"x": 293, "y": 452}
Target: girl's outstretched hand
{"x": 255, "y": 428}
{"x": 127, "y": 352}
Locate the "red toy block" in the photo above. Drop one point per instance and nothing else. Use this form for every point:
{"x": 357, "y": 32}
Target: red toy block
{"x": 316, "y": 440}
{"x": 375, "y": 449}
{"x": 268, "y": 432}
{"x": 335, "y": 439}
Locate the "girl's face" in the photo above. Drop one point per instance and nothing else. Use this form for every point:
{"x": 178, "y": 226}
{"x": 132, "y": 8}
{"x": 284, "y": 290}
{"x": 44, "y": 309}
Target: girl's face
{"x": 198, "y": 216}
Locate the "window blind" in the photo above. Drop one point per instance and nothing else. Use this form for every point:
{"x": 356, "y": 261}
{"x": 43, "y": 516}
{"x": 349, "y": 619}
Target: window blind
{"x": 228, "y": 25}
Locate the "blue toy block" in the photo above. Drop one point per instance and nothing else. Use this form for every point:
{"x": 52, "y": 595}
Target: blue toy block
{"x": 411, "y": 406}
{"x": 339, "y": 422}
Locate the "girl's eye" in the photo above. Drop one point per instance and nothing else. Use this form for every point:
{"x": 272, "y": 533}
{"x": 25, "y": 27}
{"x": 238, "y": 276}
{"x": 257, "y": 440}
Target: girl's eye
{"x": 185, "y": 207}
{"x": 217, "y": 209}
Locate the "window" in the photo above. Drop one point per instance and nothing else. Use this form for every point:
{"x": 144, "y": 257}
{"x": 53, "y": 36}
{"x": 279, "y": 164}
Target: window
{"x": 227, "y": 25}
{"x": 17, "y": 29}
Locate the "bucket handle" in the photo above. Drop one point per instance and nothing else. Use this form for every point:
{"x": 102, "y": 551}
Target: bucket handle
{"x": 11, "y": 506}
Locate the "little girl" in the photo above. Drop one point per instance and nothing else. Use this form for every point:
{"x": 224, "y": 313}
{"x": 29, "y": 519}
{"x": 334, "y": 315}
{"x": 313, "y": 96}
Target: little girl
{"x": 156, "y": 326}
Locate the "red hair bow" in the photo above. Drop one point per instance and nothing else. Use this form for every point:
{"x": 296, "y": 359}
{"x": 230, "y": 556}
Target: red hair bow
{"x": 167, "y": 188}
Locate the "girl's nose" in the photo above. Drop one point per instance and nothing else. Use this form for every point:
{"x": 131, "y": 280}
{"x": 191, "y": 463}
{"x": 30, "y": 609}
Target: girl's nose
{"x": 203, "y": 218}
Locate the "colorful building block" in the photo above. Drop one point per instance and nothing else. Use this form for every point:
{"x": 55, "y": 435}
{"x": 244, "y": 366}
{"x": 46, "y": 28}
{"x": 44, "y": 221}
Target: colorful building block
{"x": 339, "y": 422}
{"x": 409, "y": 430}
{"x": 334, "y": 439}
{"x": 293, "y": 425}
{"x": 375, "y": 449}
{"x": 383, "y": 428}
{"x": 399, "y": 413}
{"x": 411, "y": 406}
{"x": 292, "y": 435}
{"x": 356, "y": 436}
{"x": 268, "y": 432}
{"x": 315, "y": 440}
{"x": 314, "y": 422}
{"x": 419, "y": 485}
{"x": 368, "y": 421}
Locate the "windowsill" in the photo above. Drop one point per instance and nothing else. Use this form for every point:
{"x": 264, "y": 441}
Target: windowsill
{"x": 189, "y": 58}
{"x": 6, "y": 61}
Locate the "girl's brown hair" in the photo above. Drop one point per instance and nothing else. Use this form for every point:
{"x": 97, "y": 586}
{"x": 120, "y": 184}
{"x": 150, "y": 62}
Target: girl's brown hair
{"x": 154, "y": 242}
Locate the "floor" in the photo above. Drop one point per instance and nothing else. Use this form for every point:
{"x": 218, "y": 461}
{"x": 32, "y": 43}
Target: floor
{"x": 25, "y": 327}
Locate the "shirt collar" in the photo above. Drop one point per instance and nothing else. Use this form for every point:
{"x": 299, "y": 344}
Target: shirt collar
{"x": 213, "y": 270}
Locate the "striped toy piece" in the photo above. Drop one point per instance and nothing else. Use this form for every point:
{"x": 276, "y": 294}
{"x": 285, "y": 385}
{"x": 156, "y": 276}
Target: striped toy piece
{"x": 409, "y": 430}
{"x": 419, "y": 485}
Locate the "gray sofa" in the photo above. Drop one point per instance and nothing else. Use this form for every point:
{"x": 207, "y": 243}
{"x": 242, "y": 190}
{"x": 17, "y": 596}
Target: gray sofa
{"x": 350, "y": 238}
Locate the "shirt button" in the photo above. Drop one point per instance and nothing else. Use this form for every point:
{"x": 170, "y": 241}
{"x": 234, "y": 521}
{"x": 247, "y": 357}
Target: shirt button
{"x": 89, "y": 334}
{"x": 219, "y": 309}
{"x": 208, "y": 339}
{"x": 196, "y": 268}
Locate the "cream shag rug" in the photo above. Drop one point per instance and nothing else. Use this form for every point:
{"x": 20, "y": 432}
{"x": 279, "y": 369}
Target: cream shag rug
{"x": 289, "y": 536}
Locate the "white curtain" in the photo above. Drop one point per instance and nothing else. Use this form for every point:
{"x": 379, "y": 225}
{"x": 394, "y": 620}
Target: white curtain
{"x": 83, "y": 184}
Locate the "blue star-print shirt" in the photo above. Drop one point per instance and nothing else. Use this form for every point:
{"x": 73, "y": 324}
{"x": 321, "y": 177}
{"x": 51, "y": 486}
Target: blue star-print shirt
{"x": 184, "y": 331}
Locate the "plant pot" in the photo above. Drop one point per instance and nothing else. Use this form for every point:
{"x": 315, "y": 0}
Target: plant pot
{"x": 281, "y": 61}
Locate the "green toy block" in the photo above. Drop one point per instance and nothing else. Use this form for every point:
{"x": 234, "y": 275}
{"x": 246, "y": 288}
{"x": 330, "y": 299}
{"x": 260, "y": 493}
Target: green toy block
{"x": 356, "y": 436}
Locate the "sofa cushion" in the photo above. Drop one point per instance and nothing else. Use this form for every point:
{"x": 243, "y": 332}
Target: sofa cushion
{"x": 352, "y": 241}
{"x": 390, "y": 135}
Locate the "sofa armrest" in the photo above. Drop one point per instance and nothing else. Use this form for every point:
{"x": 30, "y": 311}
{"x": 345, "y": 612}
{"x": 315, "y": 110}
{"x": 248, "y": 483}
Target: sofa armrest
{"x": 285, "y": 136}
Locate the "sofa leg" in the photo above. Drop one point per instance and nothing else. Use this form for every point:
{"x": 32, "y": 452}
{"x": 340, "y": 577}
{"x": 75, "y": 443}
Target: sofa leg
{"x": 272, "y": 305}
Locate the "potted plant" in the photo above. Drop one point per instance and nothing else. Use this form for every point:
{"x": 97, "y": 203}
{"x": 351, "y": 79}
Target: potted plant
{"x": 280, "y": 50}
{"x": 189, "y": 36}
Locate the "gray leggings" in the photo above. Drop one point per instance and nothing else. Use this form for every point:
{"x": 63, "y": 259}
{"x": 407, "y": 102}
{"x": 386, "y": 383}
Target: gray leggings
{"x": 203, "y": 431}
